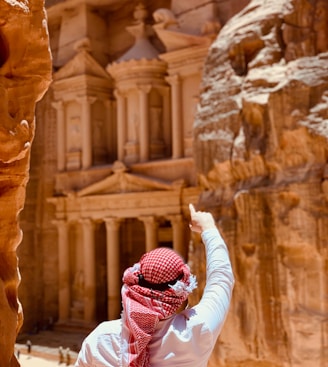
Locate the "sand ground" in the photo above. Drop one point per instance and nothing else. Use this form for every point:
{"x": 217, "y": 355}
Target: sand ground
{"x": 45, "y": 348}
{"x": 32, "y": 361}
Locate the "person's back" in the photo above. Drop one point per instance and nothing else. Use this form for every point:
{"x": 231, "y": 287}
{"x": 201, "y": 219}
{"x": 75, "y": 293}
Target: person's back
{"x": 181, "y": 341}
{"x": 151, "y": 332}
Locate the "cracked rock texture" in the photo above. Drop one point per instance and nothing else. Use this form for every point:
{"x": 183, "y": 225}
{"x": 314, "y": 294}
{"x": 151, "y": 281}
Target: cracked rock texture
{"x": 25, "y": 74}
{"x": 261, "y": 140}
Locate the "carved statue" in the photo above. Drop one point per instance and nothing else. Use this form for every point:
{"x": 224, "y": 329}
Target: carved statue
{"x": 165, "y": 17}
{"x": 74, "y": 138}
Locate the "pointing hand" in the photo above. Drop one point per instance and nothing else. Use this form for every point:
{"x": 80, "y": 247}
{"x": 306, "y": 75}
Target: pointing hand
{"x": 200, "y": 221}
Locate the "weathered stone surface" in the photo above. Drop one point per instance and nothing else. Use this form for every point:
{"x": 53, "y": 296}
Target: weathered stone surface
{"x": 81, "y": 134}
{"x": 260, "y": 147}
{"x": 25, "y": 73}
{"x": 261, "y": 150}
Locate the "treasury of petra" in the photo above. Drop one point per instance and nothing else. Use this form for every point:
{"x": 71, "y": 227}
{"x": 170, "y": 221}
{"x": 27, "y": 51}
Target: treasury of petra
{"x": 116, "y": 114}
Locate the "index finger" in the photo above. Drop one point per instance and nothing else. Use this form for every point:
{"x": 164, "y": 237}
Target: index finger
{"x": 192, "y": 209}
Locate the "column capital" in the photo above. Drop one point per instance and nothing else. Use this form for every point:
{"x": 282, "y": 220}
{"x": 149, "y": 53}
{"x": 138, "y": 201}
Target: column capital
{"x": 58, "y": 105}
{"x": 118, "y": 93}
{"x": 148, "y": 219}
{"x": 60, "y": 223}
{"x": 173, "y": 79}
{"x": 144, "y": 88}
{"x": 86, "y": 99}
{"x": 175, "y": 218}
{"x": 113, "y": 223}
{"x": 86, "y": 222}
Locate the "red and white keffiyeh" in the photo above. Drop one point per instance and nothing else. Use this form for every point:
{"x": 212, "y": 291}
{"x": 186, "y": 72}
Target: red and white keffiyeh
{"x": 144, "y": 306}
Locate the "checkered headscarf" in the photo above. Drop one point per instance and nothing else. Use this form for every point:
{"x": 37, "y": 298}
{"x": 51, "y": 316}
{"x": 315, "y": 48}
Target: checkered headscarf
{"x": 153, "y": 290}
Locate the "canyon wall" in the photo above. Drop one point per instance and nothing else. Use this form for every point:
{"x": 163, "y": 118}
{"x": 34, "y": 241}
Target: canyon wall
{"x": 25, "y": 74}
{"x": 261, "y": 152}
{"x": 260, "y": 147}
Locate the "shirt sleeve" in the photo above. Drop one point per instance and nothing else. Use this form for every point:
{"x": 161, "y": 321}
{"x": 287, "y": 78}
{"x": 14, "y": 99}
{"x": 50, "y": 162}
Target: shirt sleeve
{"x": 84, "y": 358}
{"x": 102, "y": 346}
{"x": 214, "y": 304}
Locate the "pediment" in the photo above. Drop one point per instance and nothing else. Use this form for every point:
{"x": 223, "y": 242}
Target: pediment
{"x": 81, "y": 64}
{"x": 121, "y": 181}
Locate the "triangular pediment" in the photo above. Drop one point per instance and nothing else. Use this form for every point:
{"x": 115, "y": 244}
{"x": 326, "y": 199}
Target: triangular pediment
{"x": 121, "y": 181}
{"x": 81, "y": 64}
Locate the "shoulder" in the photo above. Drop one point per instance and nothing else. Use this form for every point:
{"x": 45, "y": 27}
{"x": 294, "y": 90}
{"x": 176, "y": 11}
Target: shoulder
{"x": 185, "y": 323}
{"x": 101, "y": 347}
{"x": 106, "y": 329}
{"x": 109, "y": 326}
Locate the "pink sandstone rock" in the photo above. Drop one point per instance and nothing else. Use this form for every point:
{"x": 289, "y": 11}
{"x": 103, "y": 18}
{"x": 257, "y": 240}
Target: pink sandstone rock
{"x": 261, "y": 153}
{"x": 25, "y": 74}
{"x": 261, "y": 141}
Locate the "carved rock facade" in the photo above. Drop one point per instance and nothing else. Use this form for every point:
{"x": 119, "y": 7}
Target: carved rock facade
{"x": 117, "y": 169}
{"x": 118, "y": 155}
{"x": 261, "y": 140}
{"x": 25, "y": 74}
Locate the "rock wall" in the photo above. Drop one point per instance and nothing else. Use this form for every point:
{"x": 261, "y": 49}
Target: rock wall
{"x": 25, "y": 74}
{"x": 261, "y": 149}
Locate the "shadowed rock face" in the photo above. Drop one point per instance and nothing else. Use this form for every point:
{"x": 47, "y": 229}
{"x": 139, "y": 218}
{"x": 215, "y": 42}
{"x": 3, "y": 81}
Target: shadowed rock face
{"x": 25, "y": 74}
{"x": 261, "y": 141}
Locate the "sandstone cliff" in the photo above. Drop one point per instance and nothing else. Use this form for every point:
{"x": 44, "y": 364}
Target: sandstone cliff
{"x": 261, "y": 140}
{"x": 25, "y": 73}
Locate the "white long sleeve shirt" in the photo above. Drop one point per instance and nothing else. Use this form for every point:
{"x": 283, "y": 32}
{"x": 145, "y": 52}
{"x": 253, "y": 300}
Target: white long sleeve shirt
{"x": 186, "y": 339}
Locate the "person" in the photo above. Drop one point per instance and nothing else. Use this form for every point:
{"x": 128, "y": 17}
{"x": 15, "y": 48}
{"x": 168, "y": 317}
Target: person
{"x": 60, "y": 355}
{"x": 29, "y": 347}
{"x": 68, "y": 357}
{"x": 152, "y": 331}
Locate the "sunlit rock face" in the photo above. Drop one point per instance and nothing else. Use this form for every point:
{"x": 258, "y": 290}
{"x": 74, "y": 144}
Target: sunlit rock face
{"x": 261, "y": 140}
{"x": 25, "y": 72}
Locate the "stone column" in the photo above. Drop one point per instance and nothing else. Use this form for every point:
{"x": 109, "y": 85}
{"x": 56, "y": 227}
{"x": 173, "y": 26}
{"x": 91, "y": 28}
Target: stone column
{"x": 144, "y": 122}
{"x": 121, "y": 124}
{"x": 61, "y": 135}
{"x": 113, "y": 267}
{"x": 89, "y": 264}
{"x": 110, "y": 129}
{"x": 64, "y": 296}
{"x": 151, "y": 228}
{"x": 178, "y": 233}
{"x": 85, "y": 103}
{"x": 165, "y": 91}
{"x": 177, "y": 118}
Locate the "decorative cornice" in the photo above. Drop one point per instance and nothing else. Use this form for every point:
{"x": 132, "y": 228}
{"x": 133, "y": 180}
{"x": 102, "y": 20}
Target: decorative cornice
{"x": 185, "y": 59}
{"x": 137, "y": 69}
{"x": 66, "y": 89}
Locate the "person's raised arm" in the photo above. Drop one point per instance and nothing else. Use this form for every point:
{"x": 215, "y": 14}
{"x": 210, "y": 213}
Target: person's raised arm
{"x": 215, "y": 301}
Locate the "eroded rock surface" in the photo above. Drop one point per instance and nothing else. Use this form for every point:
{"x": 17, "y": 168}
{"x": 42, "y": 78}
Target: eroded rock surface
{"x": 25, "y": 73}
{"x": 261, "y": 140}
